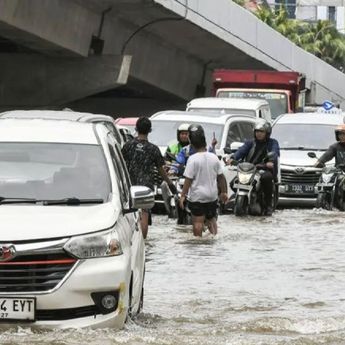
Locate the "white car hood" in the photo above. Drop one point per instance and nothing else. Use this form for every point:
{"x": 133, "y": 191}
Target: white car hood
{"x": 298, "y": 157}
{"x": 31, "y": 222}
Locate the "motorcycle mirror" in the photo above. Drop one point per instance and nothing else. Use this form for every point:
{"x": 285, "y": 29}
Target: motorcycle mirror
{"x": 311, "y": 154}
{"x": 235, "y": 146}
{"x": 227, "y": 150}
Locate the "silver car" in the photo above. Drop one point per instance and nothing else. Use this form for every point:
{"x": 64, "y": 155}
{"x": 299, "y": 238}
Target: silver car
{"x": 297, "y": 135}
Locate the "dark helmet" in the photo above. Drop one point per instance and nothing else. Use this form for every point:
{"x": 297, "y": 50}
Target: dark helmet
{"x": 197, "y": 135}
{"x": 339, "y": 129}
{"x": 184, "y": 127}
{"x": 263, "y": 125}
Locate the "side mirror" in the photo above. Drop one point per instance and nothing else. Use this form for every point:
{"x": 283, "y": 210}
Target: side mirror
{"x": 142, "y": 197}
{"x": 311, "y": 154}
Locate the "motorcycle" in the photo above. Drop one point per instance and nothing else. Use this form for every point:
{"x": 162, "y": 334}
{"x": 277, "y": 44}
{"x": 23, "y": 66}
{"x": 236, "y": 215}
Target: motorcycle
{"x": 330, "y": 189}
{"x": 171, "y": 201}
{"x": 249, "y": 196}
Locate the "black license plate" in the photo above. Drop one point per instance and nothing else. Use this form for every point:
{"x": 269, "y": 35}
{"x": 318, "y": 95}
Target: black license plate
{"x": 300, "y": 188}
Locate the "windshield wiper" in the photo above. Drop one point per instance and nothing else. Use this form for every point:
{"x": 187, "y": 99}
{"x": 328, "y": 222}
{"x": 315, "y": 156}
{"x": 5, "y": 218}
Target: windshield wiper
{"x": 65, "y": 201}
{"x": 302, "y": 148}
{"x": 5, "y": 200}
{"x": 72, "y": 201}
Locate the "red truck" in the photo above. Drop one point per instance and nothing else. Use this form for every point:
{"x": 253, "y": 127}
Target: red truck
{"x": 284, "y": 91}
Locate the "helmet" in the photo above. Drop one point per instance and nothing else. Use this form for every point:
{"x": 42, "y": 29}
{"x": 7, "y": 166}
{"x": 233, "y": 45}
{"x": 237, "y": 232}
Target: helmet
{"x": 339, "y": 129}
{"x": 263, "y": 125}
{"x": 197, "y": 135}
{"x": 182, "y": 128}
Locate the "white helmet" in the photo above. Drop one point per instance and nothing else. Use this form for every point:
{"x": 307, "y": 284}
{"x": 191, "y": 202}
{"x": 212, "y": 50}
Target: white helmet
{"x": 182, "y": 128}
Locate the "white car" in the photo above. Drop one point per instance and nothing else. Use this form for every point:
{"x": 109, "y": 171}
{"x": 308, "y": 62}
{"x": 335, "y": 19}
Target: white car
{"x": 297, "y": 135}
{"x": 70, "y": 115}
{"x": 258, "y": 108}
{"x": 71, "y": 252}
{"x": 226, "y": 128}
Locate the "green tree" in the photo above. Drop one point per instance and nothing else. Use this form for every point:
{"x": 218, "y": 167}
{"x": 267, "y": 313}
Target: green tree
{"x": 321, "y": 38}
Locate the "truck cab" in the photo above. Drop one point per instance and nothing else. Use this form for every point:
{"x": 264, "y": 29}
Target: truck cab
{"x": 280, "y": 101}
{"x": 283, "y": 90}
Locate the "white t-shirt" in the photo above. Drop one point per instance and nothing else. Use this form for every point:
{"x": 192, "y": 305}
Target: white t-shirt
{"x": 203, "y": 168}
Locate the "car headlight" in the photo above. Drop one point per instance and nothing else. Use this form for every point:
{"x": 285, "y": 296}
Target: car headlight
{"x": 100, "y": 244}
{"x": 244, "y": 178}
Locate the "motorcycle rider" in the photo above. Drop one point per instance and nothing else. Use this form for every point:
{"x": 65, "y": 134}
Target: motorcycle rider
{"x": 170, "y": 155}
{"x": 255, "y": 151}
{"x": 336, "y": 150}
{"x": 182, "y": 141}
{"x": 181, "y": 158}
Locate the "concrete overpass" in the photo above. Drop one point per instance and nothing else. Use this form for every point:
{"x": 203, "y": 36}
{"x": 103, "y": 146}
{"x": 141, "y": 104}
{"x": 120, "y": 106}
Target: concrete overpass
{"x": 57, "y": 51}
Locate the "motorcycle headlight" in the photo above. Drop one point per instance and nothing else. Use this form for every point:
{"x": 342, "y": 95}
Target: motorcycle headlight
{"x": 100, "y": 244}
{"x": 327, "y": 178}
{"x": 244, "y": 178}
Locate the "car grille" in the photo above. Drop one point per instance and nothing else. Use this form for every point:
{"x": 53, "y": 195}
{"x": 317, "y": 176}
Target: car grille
{"x": 34, "y": 273}
{"x": 308, "y": 177}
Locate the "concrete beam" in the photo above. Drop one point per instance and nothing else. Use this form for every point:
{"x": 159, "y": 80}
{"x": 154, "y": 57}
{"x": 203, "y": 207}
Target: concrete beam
{"x": 39, "y": 81}
{"x": 53, "y": 26}
{"x": 155, "y": 61}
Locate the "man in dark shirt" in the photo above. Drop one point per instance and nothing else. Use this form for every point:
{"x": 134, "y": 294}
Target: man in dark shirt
{"x": 337, "y": 150}
{"x": 142, "y": 158}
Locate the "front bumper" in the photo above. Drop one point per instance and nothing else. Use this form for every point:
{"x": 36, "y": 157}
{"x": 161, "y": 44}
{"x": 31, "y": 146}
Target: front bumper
{"x": 71, "y": 305}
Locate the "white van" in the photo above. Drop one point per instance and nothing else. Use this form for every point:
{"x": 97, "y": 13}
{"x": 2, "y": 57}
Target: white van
{"x": 254, "y": 107}
{"x": 226, "y": 128}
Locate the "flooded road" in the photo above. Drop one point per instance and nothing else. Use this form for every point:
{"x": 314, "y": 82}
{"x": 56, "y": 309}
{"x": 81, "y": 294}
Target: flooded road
{"x": 276, "y": 280}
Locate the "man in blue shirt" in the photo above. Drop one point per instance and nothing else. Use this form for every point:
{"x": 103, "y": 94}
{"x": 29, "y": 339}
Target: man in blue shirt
{"x": 177, "y": 168}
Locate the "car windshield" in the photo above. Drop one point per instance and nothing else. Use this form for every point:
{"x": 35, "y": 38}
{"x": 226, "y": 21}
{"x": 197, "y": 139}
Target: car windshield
{"x": 303, "y": 136}
{"x": 51, "y": 171}
{"x": 223, "y": 111}
{"x": 164, "y": 132}
{"x": 277, "y": 100}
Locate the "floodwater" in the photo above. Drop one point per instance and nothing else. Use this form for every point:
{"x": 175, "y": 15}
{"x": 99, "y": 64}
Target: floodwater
{"x": 271, "y": 280}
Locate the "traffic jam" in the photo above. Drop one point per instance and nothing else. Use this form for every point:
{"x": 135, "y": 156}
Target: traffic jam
{"x": 73, "y": 254}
